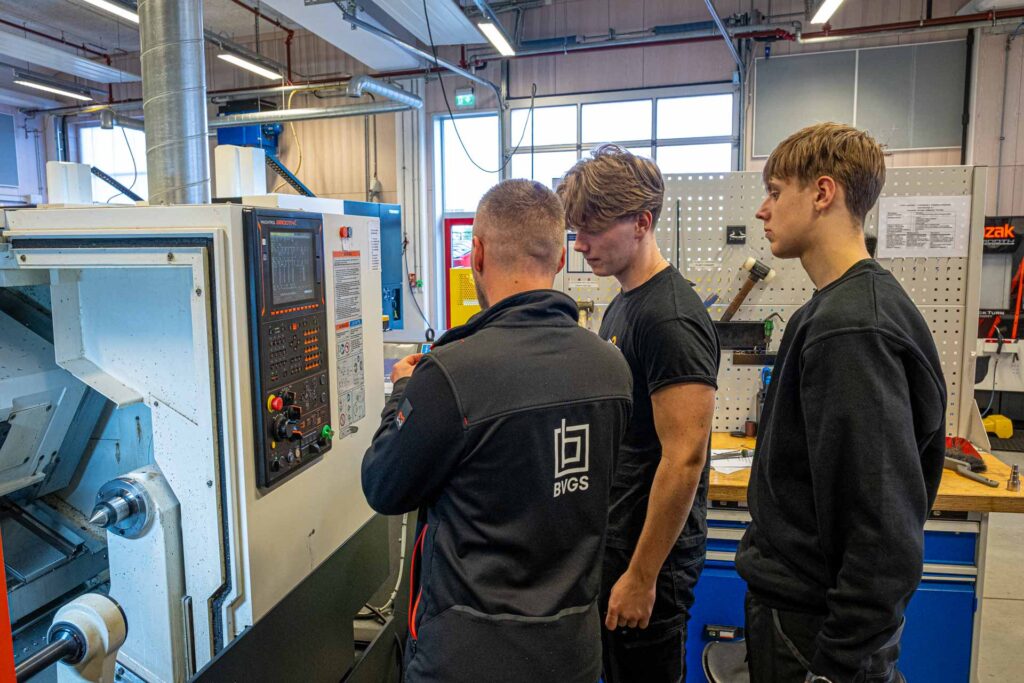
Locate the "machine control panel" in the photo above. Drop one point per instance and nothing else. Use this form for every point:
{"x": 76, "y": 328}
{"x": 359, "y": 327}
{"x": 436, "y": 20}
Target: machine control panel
{"x": 288, "y": 336}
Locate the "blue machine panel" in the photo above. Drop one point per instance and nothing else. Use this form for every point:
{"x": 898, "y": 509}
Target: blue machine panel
{"x": 390, "y": 216}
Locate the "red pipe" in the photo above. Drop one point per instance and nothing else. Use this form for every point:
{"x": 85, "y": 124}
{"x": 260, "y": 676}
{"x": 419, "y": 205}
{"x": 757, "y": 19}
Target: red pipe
{"x": 288, "y": 53}
{"x": 992, "y": 15}
{"x": 26, "y": 29}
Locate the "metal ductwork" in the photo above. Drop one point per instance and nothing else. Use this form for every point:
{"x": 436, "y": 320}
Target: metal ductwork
{"x": 174, "y": 101}
{"x": 367, "y": 84}
{"x": 286, "y": 115}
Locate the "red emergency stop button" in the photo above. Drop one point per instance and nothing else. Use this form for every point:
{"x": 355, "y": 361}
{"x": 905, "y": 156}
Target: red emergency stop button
{"x": 274, "y": 403}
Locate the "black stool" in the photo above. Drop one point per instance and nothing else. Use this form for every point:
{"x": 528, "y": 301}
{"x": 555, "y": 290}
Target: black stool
{"x": 726, "y": 662}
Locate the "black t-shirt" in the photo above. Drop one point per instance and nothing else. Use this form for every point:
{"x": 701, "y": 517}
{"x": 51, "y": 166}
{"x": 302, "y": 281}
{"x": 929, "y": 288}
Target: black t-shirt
{"x": 667, "y": 337}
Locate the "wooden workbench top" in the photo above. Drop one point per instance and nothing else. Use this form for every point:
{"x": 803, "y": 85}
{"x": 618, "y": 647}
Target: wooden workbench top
{"x": 956, "y": 493}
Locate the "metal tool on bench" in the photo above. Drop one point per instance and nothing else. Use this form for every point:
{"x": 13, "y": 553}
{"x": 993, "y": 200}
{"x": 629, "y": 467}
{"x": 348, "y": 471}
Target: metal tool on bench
{"x": 758, "y": 272}
{"x": 1013, "y": 484}
{"x": 964, "y": 470}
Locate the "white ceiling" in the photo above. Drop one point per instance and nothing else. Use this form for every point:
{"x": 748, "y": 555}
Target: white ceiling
{"x": 975, "y": 6}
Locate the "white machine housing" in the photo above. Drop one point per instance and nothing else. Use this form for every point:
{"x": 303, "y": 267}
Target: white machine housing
{"x": 150, "y": 305}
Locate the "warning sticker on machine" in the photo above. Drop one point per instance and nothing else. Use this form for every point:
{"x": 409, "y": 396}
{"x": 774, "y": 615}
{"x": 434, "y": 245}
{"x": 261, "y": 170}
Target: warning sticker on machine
{"x": 348, "y": 340}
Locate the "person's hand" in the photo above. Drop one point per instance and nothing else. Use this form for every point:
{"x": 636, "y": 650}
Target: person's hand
{"x": 404, "y": 367}
{"x": 630, "y": 602}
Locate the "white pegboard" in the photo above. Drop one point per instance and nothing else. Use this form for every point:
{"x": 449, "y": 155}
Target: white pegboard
{"x": 691, "y": 233}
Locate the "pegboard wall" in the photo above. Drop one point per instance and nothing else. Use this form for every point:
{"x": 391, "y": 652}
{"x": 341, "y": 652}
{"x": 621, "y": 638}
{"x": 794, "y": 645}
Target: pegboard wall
{"x": 691, "y": 232}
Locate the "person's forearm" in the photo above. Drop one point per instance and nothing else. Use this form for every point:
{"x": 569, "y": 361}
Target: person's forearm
{"x": 672, "y": 493}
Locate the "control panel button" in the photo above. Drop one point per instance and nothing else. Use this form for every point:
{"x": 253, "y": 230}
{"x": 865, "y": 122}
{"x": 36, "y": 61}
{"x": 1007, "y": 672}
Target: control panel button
{"x": 275, "y": 403}
{"x": 327, "y": 432}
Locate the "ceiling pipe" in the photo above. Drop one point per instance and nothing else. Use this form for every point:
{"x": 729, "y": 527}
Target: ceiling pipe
{"x": 964, "y": 21}
{"x": 367, "y": 84}
{"x": 311, "y": 114}
{"x": 174, "y": 101}
{"x": 62, "y": 41}
{"x": 725, "y": 35}
{"x": 416, "y": 52}
{"x": 109, "y": 118}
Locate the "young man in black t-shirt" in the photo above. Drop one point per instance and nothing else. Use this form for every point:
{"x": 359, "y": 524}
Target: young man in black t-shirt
{"x": 852, "y": 434}
{"x": 656, "y": 523}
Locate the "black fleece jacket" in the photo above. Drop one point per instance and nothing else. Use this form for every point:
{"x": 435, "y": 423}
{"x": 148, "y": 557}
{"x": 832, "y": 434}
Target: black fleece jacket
{"x": 506, "y": 434}
{"x": 848, "y": 462}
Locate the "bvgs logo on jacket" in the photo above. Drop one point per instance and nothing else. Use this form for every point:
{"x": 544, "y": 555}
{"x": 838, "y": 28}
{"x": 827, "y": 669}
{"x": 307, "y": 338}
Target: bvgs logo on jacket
{"x": 572, "y": 458}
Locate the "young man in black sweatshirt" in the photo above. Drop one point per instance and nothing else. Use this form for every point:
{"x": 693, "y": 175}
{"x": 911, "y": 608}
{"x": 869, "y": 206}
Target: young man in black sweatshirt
{"x": 850, "y": 450}
{"x": 656, "y": 522}
{"x": 505, "y": 437}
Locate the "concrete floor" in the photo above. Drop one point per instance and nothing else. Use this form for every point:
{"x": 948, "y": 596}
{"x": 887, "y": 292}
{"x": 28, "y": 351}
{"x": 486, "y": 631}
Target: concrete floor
{"x": 1002, "y": 610}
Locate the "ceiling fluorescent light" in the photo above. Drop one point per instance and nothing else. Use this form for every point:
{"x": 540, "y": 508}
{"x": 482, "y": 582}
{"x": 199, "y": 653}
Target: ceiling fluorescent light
{"x": 114, "y": 8}
{"x": 825, "y": 11}
{"x": 55, "y": 88}
{"x": 497, "y": 38}
{"x": 251, "y": 66}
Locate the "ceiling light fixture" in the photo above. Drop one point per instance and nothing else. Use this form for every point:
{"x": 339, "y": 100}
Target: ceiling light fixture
{"x": 249, "y": 65}
{"x": 825, "y": 11}
{"x": 114, "y": 8}
{"x": 55, "y": 87}
{"x": 497, "y": 38}
{"x": 491, "y": 27}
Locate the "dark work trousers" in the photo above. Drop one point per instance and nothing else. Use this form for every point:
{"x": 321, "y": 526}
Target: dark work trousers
{"x": 656, "y": 654}
{"x": 780, "y": 647}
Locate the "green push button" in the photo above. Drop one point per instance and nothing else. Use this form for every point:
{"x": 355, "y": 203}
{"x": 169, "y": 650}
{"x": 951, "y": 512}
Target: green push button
{"x": 327, "y": 432}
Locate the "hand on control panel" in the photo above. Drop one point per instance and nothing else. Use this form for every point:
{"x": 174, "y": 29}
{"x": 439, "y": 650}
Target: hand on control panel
{"x": 404, "y": 367}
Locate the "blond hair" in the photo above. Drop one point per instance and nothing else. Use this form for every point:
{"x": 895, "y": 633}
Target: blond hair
{"x": 612, "y": 185}
{"x": 522, "y": 223}
{"x": 849, "y": 156}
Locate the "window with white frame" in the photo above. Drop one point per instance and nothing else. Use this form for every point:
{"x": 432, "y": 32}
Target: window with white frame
{"x": 685, "y": 133}
{"x": 468, "y": 161}
{"x": 121, "y": 154}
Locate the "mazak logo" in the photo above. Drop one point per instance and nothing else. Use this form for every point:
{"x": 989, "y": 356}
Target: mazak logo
{"x": 1000, "y": 232}
{"x": 572, "y": 458}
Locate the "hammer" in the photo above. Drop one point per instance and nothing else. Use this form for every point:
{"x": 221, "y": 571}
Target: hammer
{"x": 758, "y": 271}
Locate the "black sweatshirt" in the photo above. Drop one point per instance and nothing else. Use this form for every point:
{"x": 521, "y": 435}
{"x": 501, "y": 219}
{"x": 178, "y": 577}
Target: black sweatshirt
{"x": 848, "y": 462}
{"x": 507, "y": 435}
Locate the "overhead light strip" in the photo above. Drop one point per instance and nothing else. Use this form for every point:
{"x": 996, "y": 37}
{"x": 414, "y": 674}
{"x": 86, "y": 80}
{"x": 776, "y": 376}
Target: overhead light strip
{"x": 497, "y": 38}
{"x": 250, "y": 66}
{"x": 56, "y": 90}
{"x": 114, "y": 8}
{"x": 825, "y": 12}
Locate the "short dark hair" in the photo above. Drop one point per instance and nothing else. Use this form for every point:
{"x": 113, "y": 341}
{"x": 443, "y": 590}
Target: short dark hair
{"x": 523, "y": 223}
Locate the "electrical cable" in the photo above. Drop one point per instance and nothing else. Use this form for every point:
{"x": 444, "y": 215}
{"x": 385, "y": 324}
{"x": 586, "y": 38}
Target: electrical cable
{"x": 430, "y": 328}
{"x": 295, "y": 139}
{"x": 451, "y": 114}
{"x": 401, "y": 567}
{"x": 995, "y": 369}
{"x": 135, "y": 168}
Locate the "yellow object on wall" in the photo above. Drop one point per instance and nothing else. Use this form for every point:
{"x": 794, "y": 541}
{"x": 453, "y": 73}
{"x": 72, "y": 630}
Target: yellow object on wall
{"x": 462, "y": 301}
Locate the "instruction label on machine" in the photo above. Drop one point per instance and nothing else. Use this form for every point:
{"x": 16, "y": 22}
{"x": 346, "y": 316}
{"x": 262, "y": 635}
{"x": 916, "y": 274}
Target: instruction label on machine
{"x": 912, "y": 227}
{"x": 375, "y": 246}
{"x": 348, "y": 340}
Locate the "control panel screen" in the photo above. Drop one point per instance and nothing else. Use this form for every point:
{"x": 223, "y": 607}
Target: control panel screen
{"x": 293, "y": 263}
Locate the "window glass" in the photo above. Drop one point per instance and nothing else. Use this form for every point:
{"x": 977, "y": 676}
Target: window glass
{"x": 610, "y": 121}
{"x": 543, "y": 167}
{"x": 549, "y": 126}
{"x": 695, "y": 158}
{"x": 108, "y": 151}
{"x": 694, "y": 117}
{"x": 465, "y": 182}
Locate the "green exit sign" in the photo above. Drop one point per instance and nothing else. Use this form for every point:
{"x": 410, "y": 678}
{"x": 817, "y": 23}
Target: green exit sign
{"x": 465, "y": 97}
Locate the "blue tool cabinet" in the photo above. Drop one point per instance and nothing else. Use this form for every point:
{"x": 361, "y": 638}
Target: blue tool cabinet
{"x": 939, "y": 639}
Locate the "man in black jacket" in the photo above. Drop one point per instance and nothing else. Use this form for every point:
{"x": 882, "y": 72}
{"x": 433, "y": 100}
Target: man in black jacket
{"x": 850, "y": 450}
{"x": 505, "y": 436}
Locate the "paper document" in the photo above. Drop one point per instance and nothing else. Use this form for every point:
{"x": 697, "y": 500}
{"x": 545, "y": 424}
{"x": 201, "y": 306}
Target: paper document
{"x": 728, "y": 461}
{"x": 912, "y": 227}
